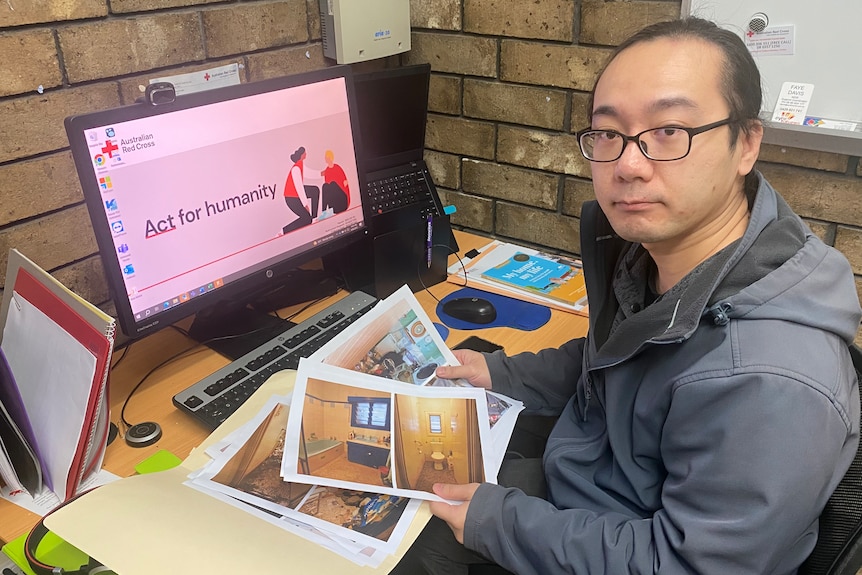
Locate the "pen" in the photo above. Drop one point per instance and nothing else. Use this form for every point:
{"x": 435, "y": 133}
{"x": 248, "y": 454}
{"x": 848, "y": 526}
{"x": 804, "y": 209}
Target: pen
{"x": 428, "y": 237}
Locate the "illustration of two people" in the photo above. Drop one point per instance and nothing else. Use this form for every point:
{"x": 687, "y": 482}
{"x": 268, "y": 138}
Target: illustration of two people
{"x": 335, "y": 193}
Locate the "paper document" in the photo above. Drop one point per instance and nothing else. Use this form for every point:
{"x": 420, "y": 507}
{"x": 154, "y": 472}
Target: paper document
{"x": 197, "y": 532}
{"x": 58, "y": 348}
{"x": 525, "y": 273}
{"x": 339, "y": 454}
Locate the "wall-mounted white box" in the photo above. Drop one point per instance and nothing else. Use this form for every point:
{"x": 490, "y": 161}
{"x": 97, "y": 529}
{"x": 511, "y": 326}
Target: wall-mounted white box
{"x": 359, "y": 30}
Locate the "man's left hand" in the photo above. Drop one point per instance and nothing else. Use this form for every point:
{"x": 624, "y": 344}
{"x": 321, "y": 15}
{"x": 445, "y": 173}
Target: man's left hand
{"x": 453, "y": 515}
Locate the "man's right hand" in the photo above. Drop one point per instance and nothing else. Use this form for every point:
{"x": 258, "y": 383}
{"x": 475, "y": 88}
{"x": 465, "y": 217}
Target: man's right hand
{"x": 473, "y": 368}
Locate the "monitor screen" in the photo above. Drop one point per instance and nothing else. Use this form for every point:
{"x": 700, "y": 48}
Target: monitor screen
{"x": 219, "y": 194}
{"x": 393, "y": 108}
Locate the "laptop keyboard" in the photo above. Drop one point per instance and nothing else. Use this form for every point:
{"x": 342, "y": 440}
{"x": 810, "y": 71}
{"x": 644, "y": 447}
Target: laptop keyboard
{"x": 214, "y": 398}
{"x": 401, "y": 190}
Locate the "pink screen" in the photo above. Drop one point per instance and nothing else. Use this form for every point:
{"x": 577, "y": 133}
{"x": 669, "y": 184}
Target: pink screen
{"x": 196, "y": 198}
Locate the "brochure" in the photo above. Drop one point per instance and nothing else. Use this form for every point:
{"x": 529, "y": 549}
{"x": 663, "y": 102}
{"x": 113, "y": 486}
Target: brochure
{"x": 553, "y": 280}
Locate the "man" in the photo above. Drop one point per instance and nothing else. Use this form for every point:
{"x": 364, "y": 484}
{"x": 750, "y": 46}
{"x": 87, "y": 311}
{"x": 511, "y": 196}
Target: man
{"x": 713, "y": 407}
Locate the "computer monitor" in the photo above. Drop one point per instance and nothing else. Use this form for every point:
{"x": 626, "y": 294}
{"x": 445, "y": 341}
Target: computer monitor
{"x": 393, "y": 111}
{"x": 196, "y": 203}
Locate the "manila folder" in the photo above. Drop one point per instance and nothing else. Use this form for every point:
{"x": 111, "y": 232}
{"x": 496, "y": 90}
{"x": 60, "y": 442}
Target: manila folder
{"x": 171, "y": 528}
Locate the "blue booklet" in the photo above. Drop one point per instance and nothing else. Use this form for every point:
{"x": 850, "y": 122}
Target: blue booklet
{"x": 532, "y": 272}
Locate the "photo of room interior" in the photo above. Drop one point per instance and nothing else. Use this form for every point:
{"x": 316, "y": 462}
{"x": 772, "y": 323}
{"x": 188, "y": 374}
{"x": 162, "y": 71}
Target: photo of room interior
{"x": 395, "y": 345}
{"x": 496, "y": 408}
{"x": 437, "y": 441}
{"x": 372, "y": 514}
{"x": 256, "y": 468}
{"x": 347, "y": 433}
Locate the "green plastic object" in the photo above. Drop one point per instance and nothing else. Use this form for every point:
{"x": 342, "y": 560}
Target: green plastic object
{"x": 159, "y": 461}
{"x": 52, "y": 550}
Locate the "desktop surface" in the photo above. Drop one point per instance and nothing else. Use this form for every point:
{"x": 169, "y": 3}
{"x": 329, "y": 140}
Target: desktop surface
{"x": 182, "y": 433}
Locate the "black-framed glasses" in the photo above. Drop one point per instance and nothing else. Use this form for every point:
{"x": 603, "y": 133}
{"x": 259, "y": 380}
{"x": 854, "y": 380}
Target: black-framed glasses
{"x": 663, "y": 144}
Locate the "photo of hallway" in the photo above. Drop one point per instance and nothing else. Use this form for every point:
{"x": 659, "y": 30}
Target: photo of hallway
{"x": 256, "y": 468}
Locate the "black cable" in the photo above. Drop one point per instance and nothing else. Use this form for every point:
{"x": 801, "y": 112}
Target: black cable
{"x": 451, "y": 251}
{"x": 308, "y": 305}
{"x": 181, "y": 330}
{"x": 188, "y": 351}
{"x": 122, "y": 357}
{"x": 148, "y": 374}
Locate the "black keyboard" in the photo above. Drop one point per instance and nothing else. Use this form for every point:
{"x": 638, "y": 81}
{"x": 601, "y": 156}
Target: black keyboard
{"x": 399, "y": 190}
{"x": 214, "y": 398}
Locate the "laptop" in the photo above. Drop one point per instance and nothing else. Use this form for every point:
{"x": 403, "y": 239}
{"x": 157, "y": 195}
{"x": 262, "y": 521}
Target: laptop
{"x": 393, "y": 108}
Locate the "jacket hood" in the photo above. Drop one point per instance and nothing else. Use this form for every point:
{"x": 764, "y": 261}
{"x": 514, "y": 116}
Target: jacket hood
{"x": 788, "y": 273}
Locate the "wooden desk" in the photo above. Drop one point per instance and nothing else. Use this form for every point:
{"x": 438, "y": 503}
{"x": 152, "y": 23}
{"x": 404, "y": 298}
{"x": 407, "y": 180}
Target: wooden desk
{"x": 181, "y": 433}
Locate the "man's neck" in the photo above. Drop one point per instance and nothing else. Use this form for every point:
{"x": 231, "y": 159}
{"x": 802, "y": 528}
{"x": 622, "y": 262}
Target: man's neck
{"x": 674, "y": 262}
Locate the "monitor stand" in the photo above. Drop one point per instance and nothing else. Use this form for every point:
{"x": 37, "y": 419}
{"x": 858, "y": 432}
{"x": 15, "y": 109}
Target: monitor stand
{"x": 235, "y": 331}
{"x": 235, "y": 327}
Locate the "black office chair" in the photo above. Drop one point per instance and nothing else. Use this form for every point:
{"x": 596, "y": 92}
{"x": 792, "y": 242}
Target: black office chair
{"x": 839, "y": 546}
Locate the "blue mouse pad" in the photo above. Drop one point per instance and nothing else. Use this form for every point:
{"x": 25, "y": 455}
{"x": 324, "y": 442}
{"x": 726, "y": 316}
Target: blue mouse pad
{"x": 510, "y": 312}
{"x": 442, "y": 330}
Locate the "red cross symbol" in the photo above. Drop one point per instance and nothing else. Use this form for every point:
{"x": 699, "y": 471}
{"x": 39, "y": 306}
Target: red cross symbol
{"x": 750, "y": 33}
{"x": 207, "y": 77}
{"x": 110, "y": 148}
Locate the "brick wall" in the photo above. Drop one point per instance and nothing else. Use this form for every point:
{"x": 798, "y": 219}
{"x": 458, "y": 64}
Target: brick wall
{"x": 65, "y": 57}
{"x": 508, "y": 92}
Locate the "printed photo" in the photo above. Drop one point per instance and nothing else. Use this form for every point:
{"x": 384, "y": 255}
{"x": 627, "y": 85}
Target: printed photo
{"x": 357, "y": 431}
{"x": 251, "y": 472}
{"x": 372, "y": 514}
{"x": 398, "y": 341}
{"x": 395, "y": 344}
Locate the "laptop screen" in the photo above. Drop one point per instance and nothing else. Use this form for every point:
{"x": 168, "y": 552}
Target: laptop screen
{"x": 219, "y": 193}
{"x": 392, "y": 106}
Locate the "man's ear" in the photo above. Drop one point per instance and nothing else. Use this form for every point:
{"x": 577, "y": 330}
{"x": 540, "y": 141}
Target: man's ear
{"x": 749, "y": 146}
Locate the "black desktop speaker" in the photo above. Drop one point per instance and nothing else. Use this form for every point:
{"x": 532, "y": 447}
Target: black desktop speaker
{"x": 415, "y": 253}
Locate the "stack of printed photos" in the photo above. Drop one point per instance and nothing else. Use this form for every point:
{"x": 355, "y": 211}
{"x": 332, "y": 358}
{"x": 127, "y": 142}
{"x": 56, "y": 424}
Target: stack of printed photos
{"x": 348, "y": 458}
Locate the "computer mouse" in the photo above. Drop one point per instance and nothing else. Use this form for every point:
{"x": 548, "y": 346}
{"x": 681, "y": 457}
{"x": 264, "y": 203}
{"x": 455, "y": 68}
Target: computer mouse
{"x": 471, "y": 309}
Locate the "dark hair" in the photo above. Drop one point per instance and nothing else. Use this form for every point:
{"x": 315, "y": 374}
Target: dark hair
{"x": 740, "y": 78}
{"x": 294, "y": 157}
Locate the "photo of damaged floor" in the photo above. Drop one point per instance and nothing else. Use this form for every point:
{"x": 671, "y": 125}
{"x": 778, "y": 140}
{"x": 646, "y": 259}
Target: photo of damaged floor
{"x": 371, "y": 514}
{"x": 255, "y": 470}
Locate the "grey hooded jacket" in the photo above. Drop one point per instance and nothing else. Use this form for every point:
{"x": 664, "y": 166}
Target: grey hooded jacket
{"x": 703, "y": 434}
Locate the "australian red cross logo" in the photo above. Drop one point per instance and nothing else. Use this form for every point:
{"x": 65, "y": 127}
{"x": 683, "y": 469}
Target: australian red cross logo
{"x": 110, "y": 148}
{"x": 207, "y": 77}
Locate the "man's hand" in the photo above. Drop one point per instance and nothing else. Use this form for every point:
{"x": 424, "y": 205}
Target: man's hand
{"x": 453, "y": 515}
{"x": 473, "y": 368}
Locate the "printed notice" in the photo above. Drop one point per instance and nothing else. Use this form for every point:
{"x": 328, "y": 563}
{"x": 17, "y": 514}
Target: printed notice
{"x": 792, "y": 103}
{"x": 203, "y": 80}
{"x": 774, "y": 41}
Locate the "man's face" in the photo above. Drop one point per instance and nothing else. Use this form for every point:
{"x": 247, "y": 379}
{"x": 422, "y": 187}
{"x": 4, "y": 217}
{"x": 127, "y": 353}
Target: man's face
{"x": 669, "y": 206}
